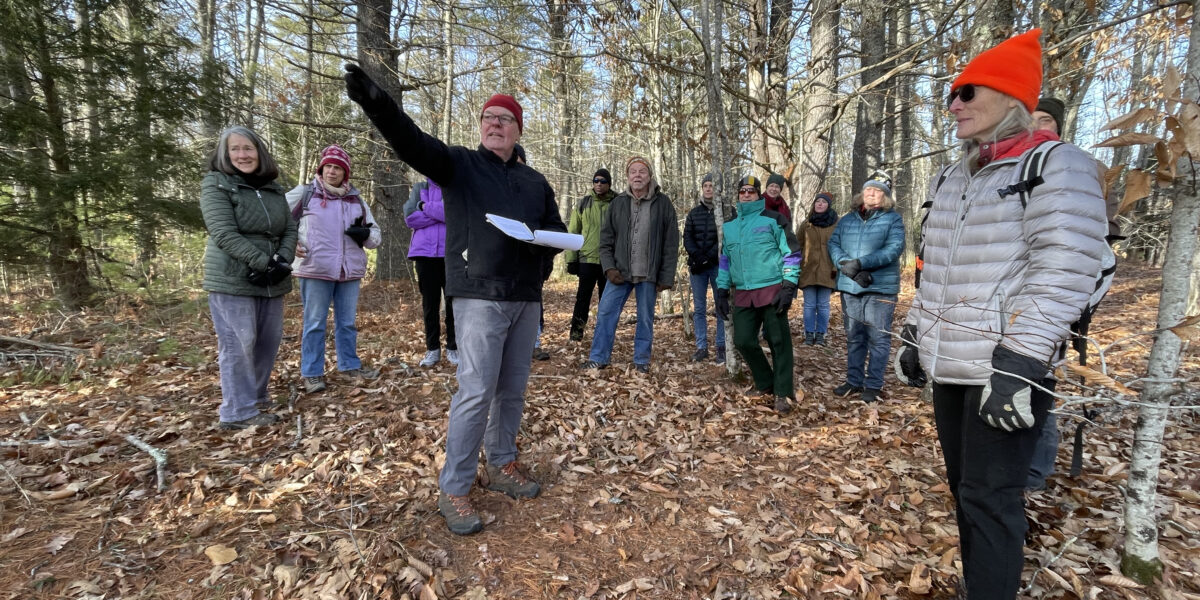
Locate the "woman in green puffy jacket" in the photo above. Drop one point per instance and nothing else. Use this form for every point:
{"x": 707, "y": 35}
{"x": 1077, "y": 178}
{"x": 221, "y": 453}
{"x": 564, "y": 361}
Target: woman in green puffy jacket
{"x": 247, "y": 270}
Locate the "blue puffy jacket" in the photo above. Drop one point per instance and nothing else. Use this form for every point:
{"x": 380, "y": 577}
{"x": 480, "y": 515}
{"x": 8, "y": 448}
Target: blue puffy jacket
{"x": 877, "y": 241}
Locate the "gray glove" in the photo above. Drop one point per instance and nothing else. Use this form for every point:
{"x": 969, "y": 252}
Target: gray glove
{"x": 1005, "y": 403}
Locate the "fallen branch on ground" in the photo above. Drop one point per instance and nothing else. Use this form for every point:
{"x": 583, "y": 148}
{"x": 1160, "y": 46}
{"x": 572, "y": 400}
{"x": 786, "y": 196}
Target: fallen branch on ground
{"x": 160, "y": 459}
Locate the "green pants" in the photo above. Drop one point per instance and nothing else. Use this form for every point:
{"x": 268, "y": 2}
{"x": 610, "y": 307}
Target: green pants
{"x": 746, "y": 323}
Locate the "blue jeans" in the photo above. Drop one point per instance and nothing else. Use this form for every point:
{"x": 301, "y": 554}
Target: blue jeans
{"x": 248, "y": 332}
{"x": 495, "y": 347}
{"x": 868, "y": 322}
{"x": 701, "y": 282}
{"x": 317, "y": 294}
{"x": 816, "y": 308}
{"x": 608, "y": 315}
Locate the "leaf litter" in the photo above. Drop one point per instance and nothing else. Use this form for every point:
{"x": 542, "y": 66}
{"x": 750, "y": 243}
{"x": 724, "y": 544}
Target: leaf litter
{"x": 668, "y": 485}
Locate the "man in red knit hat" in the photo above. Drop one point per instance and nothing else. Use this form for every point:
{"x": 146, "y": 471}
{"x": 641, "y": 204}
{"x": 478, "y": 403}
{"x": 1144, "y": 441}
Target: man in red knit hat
{"x": 494, "y": 281}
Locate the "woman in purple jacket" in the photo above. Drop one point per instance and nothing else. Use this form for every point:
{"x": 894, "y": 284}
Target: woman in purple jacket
{"x": 425, "y": 214}
{"x": 335, "y": 228}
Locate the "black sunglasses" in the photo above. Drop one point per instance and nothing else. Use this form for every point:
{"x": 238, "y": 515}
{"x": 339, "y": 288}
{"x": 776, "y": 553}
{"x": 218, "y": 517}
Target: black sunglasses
{"x": 748, "y": 190}
{"x": 599, "y": 180}
{"x": 965, "y": 92}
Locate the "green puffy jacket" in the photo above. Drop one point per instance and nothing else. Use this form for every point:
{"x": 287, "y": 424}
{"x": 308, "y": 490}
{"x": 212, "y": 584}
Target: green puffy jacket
{"x": 587, "y": 220}
{"x": 246, "y": 226}
{"x": 758, "y": 249}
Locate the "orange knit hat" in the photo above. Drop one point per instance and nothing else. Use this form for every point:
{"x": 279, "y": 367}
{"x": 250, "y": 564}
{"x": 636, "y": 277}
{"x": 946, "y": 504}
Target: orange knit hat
{"x": 1013, "y": 67}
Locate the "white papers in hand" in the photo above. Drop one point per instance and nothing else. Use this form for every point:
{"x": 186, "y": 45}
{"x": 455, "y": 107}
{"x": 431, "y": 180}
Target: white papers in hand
{"x": 518, "y": 230}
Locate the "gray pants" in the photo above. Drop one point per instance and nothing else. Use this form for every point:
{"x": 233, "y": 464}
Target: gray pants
{"x": 495, "y": 347}
{"x": 248, "y": 332}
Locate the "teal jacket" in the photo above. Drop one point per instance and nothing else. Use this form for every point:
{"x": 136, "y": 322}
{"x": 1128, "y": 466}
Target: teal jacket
{"x": 758, "y": 250}
{"x": 246, "y": 226}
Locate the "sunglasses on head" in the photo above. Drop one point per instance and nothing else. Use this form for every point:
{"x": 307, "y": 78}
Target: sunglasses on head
{"x": 966, "y": 93}
{"x": 599, "y": 180}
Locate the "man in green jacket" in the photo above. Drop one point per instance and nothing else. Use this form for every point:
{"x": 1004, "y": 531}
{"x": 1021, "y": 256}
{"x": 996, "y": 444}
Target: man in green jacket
{"x": 760, "y": 258}
{"x": 639, "y": 249}
{"x": 584, "y": 263}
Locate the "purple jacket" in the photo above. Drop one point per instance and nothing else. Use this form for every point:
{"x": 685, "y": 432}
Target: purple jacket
{"x": 330, "y": 253}
{"x": 429, "y": 225}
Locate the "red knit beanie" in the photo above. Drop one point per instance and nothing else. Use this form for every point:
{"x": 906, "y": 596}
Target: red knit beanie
{"x": 507, "y": 102}
{"x": 1013, "y": 67}
{"x": 334, "y": 155}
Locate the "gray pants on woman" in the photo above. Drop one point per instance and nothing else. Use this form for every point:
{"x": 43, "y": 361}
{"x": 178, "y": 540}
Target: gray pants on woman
{"x": 248, "y": 332}
{"x": 495, "y": 347}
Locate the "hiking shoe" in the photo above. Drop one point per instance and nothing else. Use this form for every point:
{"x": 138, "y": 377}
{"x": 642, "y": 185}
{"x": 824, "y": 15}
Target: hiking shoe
{"x": 720, "y": 355}
{"x": 700, "y": 354}
{"x": 452, "y": 356}
{"x": 845, "y": 389}
{"x": 540, "y": 354}
{"x": 819, "y": 339}
{"x": 259, "y": 419}
{"x": 313, "y": 385}
{"x": 810, "y": 338}
{"x": 591, "y": 364}
{"x": 460, "y": 516}
{"x": 641, "y": 367}
{"x": 510, "y": 480}
{"x": 782, "y": 405}
{"x": 576, "y": 335}
{"x": 754, "y": 392}
{"x": 869, "y": 395}
{"x": 431, "y": 358}
{"x": 362, "y": 373}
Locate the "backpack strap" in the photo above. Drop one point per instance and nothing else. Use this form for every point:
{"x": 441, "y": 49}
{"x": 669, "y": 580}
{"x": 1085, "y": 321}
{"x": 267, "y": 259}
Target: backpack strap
{"x": 1030, "y": 172}
{"x": 926, "y": 206}
{"x": 303, "y": 204}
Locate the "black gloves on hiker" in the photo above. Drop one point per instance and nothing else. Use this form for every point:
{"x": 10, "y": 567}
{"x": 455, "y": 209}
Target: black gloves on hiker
{"x": 784, "y": 297}
{"x": 277, "y": 270}
{"x": 573, "y": 268}
{"x": 722, "y": 304}
{"x": 908, "y": 360}
{"x": 863, "y": 278}
{"x": 1006, "y": 402}
{"x": 359, "y": 232}
{"x": 850, "y": 268}
{"x": 361, "y": 89}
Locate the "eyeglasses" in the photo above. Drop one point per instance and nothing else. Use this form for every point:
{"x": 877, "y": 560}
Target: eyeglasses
{"x": 966, "y": 93}
{"x": 748, "y": 190}
{"x": 498, "y": 119}
{"x": 599, "y": 180}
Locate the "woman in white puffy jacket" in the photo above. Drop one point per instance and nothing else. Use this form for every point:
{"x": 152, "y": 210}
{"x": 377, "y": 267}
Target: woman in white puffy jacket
{"x": 1006, "y": 264}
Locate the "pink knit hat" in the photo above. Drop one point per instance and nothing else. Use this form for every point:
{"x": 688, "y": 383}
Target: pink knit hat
{"x": 334, "y": 155}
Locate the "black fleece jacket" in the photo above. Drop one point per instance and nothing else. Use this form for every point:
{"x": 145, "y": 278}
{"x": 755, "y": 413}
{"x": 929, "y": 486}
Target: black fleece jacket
{"x": 481, "y": 262}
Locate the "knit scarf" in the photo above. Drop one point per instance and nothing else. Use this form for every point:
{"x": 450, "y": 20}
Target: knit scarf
{"x": 773, "y": 202}
{"x": 824, "y": 219}
{"x": 1013, "y": 146}
{"x": 336, "y": 193}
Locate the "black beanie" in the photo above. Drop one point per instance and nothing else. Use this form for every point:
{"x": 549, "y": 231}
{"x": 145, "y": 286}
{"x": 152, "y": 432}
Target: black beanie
{"x": 602, "y": 172}
{"x": 752, "y": 181}
{"x": 777, "y": 179}
{"x": 1055, "y": 108}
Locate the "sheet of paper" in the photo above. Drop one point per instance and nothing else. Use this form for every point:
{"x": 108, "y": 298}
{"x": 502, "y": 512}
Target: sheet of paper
{"x": 518, "y": 230}
{"x": 511, "y": 227}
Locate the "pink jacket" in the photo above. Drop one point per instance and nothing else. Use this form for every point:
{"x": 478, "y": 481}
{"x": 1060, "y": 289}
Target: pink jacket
{"x": 331, "y": 254}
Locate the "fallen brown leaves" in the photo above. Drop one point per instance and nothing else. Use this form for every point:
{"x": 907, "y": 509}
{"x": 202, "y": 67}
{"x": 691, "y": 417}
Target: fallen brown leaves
{"x": 667, "y": 485}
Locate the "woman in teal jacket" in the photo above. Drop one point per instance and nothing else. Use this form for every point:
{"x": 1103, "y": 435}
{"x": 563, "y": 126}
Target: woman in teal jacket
{"x": 247, "y": 270}
{"x": 866, "y": 247}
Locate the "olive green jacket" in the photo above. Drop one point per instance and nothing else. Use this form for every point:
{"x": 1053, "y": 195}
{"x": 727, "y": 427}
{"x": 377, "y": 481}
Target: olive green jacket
{"x": 246, "y": 226}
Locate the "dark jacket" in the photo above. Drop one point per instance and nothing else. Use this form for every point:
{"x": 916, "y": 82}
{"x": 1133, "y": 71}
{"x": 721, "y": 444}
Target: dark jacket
{"x": 481, "y": 262}
{"x": 700, "y": 238}
{"x": 616, "y": 239}
{"x": 876, "y": 239}
{"x": 246, "y": 227}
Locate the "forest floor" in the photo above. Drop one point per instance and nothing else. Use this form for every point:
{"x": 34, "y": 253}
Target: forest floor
{"x": 668, "y": 485}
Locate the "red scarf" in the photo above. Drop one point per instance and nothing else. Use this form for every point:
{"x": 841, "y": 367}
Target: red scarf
{"x": 1013, "y": 146}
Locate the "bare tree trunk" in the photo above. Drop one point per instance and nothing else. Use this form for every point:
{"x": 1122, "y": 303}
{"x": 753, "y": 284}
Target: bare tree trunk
{"x": 306, "y": 110}
{"x": 447, "y": 72}
{"x": 820, "y": 103}
{"x": 210, "y": 77}
{"x": 1140, "y": 559}
{"x": 868, "y": 130}
{"x": 711, "y": 20}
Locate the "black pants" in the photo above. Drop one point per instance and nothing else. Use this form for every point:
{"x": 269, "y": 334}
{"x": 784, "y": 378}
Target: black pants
{"x": 431, "y": 280}
{"x": 987, "y": 469}
{"x": 591, "y": 277}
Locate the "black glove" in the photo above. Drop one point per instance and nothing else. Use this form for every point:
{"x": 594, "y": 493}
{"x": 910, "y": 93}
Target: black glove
{"x": 361, "y": 89}
{"x": 784, "y": 297}
{"x": 850, "y": 268}
{"x": 614, "y": 276}
{"x": 278, "y": 271}
{"x": 722, "y": 304}
{"x": 573, "y": 267}
{"x": 359, "y": 232}
{"x": 863, "y": 278}
{"x": 259, "y": 278}
{"x": 1005, "y": 403}
{"x": 908, "y": 359}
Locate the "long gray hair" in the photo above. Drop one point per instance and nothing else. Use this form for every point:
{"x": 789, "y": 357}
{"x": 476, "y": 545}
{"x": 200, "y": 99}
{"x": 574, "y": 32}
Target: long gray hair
{"x": 1018, "y": 120}
{"x": 219, "y": 159}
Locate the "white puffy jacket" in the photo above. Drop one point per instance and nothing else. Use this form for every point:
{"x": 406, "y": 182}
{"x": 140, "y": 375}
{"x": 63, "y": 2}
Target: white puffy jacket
{"x": 997, "y": 272}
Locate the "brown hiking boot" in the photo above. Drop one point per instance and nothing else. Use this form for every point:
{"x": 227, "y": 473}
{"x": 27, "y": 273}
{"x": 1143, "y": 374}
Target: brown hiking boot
{"x": 460, "y": 516}
{"x": 510, "y": 480}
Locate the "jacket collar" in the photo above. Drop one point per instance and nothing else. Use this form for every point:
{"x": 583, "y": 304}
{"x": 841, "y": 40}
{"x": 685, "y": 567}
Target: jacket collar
{"x": 751, "y": 208}
{"x": 493, "y": 157}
